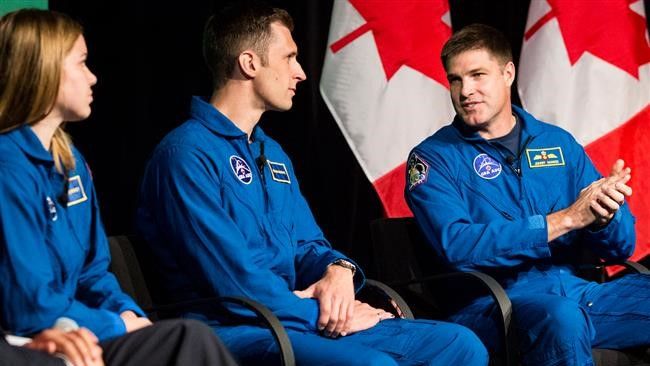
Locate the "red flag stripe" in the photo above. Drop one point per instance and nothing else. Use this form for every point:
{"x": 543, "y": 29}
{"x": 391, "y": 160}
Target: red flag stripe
{"x": 390, "y": 188}
{"x": 628, "y": 142}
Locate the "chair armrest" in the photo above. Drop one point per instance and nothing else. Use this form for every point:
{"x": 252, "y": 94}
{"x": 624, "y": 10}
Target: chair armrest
{"x": 264, "y": 315}
{"x": 501, "y": 300}
{"x": 400, "y": 307}
{"x": 280, "y": 335}
{"x": 635, "y": 267}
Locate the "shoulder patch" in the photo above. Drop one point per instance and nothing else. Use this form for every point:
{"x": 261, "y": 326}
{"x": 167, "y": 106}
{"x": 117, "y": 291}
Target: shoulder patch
{"x": 279, "y": 172}
{"x": 418, "y": 171}
{"x": 76, "y": 191}
{"x": 241, "y": 169}
{"x": 545, "y": 157}
{"x": 486, "y": 167}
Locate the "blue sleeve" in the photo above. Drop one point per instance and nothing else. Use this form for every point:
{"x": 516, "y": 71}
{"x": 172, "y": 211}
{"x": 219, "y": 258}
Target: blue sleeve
{"x": 184, "y": 195}
{"x": 444, "y": 218}
{"x": 314, "y": 252}
{"x": 98, "y": 287}
{"x": 616, "y": 240}
{"x": 31, "y": 296}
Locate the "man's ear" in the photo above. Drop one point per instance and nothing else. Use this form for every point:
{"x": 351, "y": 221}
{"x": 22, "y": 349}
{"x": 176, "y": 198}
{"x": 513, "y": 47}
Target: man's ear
{"x": 509, "y": 73}
{"x": 248, "y": 63}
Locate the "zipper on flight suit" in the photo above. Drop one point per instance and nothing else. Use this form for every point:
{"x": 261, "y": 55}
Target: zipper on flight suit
{"x": 260, "y": 162}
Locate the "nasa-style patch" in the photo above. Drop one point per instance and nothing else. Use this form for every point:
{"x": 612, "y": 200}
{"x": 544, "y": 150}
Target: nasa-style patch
{"x": 486, "y": 167}
{"x": 241, "y": 169}
{"x": 418, "y": 171}
{"x": 51, "y": 209}
{"x": 76, "y": 192}
{"x": 279, "y": 172}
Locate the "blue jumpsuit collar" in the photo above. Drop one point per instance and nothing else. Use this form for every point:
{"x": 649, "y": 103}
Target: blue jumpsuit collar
{"x": 530, "y": 126}
{"x": 27, "y": 140}
{"x": 217, "y": 122}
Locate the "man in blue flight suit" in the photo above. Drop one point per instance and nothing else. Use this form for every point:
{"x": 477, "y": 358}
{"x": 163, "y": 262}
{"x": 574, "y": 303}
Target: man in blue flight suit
{"x": 223, "y": 215}
{"x": 500, "y": 192}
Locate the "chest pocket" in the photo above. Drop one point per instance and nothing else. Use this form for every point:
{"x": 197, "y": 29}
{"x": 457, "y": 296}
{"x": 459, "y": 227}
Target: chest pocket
{"x": 66, "y": 252}
{"x": 482, "y": 205}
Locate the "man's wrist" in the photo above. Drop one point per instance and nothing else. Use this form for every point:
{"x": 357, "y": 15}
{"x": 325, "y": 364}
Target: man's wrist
{"x": 345, "y": 264}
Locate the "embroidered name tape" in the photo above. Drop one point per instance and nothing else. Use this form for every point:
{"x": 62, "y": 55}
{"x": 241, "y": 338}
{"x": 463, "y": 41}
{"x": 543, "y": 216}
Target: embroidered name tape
{"x": 279, "y": 172}
{"x": 76, "y": 192}
{"x": 545, "y": 157}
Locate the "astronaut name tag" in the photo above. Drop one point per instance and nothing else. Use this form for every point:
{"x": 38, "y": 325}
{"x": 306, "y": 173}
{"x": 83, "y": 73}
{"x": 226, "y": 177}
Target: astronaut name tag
{"x": 76, "y": 192}
{"x": 279, "y": 172}
{"x": 545, "y": 157}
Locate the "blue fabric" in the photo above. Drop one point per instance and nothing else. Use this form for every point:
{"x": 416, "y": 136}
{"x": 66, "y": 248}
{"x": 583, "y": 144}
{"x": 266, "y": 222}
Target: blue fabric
{"x": 498, "y": 226}
{"x": 54, "y": 258}
{"x": 391, "y": 342}
{"x": 217, "y": 225}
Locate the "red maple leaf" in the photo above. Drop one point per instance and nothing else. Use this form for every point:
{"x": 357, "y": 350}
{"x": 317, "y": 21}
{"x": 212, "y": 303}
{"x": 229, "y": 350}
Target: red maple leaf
{"x": 407, "y": 32}
{"x": 607, "y": 29}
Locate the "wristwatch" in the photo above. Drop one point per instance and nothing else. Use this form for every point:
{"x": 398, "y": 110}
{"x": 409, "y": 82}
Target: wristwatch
{"x": 345, "y": 264}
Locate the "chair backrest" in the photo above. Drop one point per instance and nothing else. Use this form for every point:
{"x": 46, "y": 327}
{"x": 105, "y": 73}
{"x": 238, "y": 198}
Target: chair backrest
{"x": 126, "y": 267}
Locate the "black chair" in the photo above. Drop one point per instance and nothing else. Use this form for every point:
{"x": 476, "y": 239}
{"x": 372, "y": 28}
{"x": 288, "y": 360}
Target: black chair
{"x": 126, "y": 265}
{"x": 404, "y": 260}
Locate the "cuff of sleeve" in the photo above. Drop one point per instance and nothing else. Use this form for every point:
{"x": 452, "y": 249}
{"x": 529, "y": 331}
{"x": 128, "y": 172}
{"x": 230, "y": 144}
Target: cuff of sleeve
{"x": 130, "y": 305}
{"x": 112, "y": 327}
{"x": 605, "y": 230}
{"x": 537, "y": 234}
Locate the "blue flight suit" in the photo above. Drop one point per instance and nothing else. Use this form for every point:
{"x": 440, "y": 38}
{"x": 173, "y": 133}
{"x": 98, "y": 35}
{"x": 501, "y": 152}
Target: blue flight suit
{"x": 54, "y": 253}
{"x": 225, "y": 217}
{"x": 483, "y": 209}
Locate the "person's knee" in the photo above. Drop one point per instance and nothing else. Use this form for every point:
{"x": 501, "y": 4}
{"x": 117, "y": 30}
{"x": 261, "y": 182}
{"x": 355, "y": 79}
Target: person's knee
{"x": 469, "y": 346}
{"x": 564, "y": 319}
{"x": 377, "y": 359}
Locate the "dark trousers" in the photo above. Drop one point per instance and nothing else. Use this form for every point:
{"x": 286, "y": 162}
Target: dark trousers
{"x": 168, "y": 342}
{"x": 19, "y": 356}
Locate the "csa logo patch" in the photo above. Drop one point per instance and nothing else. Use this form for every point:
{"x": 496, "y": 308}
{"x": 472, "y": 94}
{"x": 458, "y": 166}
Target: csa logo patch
{"x": 241, "y": 169}
{"x": 279, "y": 172}
{"x": 486, "y": 167}
{"x": 545, "y": 157}
{"x": 51, "y": 208}
{"x": 418, "y": 171}
{"x": 76, "y": 192}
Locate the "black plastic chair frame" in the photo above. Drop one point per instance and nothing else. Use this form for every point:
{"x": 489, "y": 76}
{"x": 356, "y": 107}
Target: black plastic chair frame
{"x": 132, "y": 280}
{"x": 495, "y": 290}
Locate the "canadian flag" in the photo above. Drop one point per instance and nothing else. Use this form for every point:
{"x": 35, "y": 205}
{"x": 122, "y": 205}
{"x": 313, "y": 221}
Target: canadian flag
{"x": 385, "y": 86}
{"x": 585, "y": 66}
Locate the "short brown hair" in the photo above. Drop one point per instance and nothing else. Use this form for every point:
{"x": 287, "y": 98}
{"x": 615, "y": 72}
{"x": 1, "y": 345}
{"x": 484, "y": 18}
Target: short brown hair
{"x": 236, "y": 28}
{"x": 33, "y": 44}
{"x": 475, "y": 37}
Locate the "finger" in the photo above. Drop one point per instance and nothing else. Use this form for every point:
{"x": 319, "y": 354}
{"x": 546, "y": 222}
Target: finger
{"x": 335, "y": 317}
{"x": 598, "y": 210}
{"x": 617, "y": 167}
{"x": 343, "y": 318}
{"x": 91, "y": 341}
{"x": 614, "y": 194}
{"x": 608, "y": 203}
{"x": 325, "y": 310}
{"x": 623, "y": 188}
{"x": 307, "y": 293}
{"x": 350, "y": 317}
{"x": 386, "y": 315}
{"x": 81, "y": 344}
{"x": 67, "y": 346}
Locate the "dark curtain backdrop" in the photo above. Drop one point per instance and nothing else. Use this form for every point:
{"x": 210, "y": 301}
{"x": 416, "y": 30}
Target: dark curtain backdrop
{"x": 147, "y": 56}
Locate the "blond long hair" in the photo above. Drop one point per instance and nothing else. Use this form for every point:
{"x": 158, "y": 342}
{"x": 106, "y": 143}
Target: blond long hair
{"x": 33, "y": 44}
